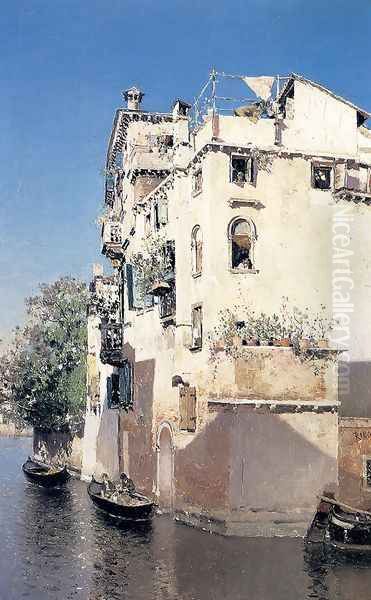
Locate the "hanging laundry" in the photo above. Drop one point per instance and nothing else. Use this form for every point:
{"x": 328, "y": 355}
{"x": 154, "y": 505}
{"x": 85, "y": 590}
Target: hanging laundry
{"x": 261, "y": 86}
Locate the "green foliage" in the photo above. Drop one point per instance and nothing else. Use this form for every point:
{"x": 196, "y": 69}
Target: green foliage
{"x": 152, "y": 263}
{"x": 43, "y": 373}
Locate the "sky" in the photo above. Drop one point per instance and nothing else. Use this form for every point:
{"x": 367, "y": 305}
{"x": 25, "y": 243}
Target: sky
{"x": 63, "y": 65}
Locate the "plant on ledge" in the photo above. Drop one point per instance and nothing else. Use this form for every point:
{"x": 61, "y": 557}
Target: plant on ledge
{"x": 240, "y": 327}
{"x": 153, "y": 265}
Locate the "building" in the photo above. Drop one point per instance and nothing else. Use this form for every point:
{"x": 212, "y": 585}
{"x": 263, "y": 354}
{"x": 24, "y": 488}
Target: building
{"x": 207, "y": 223}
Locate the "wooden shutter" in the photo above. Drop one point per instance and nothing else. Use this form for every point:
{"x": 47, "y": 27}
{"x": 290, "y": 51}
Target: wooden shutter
{"x": 129, "y": 285}
{"x": 126, "y": 396}
{"x": 191, "y": 408}
{"x": 115, "y": 394}
{"x": 109, "y": 392}
{"x": 187, "y": 408}
{"x": 339, "y": 176}
{"x": 183, "y": 408}
{"x": 134, "y": 300}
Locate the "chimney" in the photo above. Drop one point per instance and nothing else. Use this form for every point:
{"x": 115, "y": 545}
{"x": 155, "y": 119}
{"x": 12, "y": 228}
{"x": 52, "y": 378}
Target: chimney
{"x": 181, "y": 108}
{"x": 133, "y": 97}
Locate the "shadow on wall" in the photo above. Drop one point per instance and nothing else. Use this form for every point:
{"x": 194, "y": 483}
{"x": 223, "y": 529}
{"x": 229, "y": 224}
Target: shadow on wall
{"x": 124, "y": 439}
{"x": 251, "y": 460}
{"x": 355, "y": 389}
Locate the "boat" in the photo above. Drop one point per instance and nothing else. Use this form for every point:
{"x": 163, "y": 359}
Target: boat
{"x": 126, "y": 507}
{"x": 348, "y": 529}
{"x": 45, "y": 475}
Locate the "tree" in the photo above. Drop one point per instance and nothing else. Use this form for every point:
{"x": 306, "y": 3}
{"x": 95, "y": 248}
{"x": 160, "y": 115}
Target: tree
{"x": 43, "y": 372}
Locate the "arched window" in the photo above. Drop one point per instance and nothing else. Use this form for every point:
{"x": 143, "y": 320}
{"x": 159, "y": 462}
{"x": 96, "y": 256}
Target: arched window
{"x": 241, "y": 237}
{"x": 196, "y": 250}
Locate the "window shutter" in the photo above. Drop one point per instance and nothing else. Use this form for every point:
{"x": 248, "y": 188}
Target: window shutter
{"x": 133, "y": 292}
{"x": 129, "y": 285}
{"x": 115, "y": 394}
{"x": 191, "y": 409}
{"x": 137, "y": 300}
{"x": 162, "y": 211}
{"x": 148, "y": 301}
{"x": 253, "y": 170}
{"x": 126, "y": 399}
{"x": 339, "y": 176}
{"x": 109, "y": 392}
{"x": 183, "y": 408}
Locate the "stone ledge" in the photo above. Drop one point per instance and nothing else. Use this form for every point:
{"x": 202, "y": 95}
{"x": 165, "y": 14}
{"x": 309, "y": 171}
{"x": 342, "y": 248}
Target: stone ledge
{"x": 250, "y": 523}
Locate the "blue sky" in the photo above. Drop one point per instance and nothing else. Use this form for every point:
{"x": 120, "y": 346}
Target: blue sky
{"x": 63, "y": 64}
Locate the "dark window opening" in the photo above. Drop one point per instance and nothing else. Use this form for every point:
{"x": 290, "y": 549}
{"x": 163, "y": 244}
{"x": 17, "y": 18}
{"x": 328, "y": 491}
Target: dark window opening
{"x": 167, "y": 304}
{"x": 196, "y": 250}
{"x": 197, "y": 327}
{"x": 368, "y": 472}
{"x": 321, "y": 177}
{"x": 197, "y": 181}
{"x": 241, "y": 245}
{"x": 119, "y": 388}
{"x": 241, "y": 169}
{"x": 113, "y": 391}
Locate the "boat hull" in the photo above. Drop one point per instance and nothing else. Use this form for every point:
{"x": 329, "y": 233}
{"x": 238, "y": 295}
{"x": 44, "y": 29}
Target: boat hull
{"x": 143, "y": 511}
{"x": 43, "y": 475}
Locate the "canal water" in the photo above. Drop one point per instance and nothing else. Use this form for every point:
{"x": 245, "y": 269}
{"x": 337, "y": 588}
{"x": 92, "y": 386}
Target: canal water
{"x": 54, "y": 545}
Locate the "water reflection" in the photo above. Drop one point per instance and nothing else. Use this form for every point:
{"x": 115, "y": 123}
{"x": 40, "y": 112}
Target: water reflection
{"x": 57, "y": 546}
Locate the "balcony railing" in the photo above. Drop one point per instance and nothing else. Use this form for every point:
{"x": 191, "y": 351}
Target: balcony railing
{"x": 167, "y": 304}
{"x": 111, "y": 348}
{"x": 112, "y": 239}
{"x": 353, "y": 182}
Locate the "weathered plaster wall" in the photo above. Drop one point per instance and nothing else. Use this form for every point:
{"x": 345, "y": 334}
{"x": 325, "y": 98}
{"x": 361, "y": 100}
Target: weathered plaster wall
{"x": 354, "y": 448}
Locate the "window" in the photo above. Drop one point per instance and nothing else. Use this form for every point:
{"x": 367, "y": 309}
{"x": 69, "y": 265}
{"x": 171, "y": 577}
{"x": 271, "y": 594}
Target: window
{"x": 197, "y": 327}
{"x": 161, "y": 213}
{"x": 115, "y": 233}
{"x": 196, "y": 250}
{"x": 241, "y": 237}
{"x": 197, "y": 181}
{"x": 367, "y": 472}
{"x": 321, "y": 176}
{"x": 119, "y": 388}
{"x": 147, "y": 224}
{"x": 167, "y": 304}
{"x": 113, "y": 391}
{"x": 187, "y": 408}
{"x": 241, "y": 169}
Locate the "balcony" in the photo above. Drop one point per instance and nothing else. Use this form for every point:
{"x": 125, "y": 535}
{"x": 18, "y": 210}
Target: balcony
{"x": 112, "y": 240}
{"x": 109, "y": 195}
{"x": 353, "y": 182}
{"x": 167, "y": 304}
{"x": 111, "y": 347}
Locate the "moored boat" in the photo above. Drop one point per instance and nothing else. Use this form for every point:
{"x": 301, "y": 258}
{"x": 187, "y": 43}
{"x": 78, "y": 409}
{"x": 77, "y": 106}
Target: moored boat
{"x": 45, "y": 475}
{"x": 127, "y": 507}
{"x": 348, "y": 529}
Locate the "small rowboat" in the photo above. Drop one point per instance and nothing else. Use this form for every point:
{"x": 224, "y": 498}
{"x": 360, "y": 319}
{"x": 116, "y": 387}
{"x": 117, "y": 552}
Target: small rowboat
{"x": 127, "y": 507}
{"x": 44, "y": 475}
{"x": 348, "y": 529}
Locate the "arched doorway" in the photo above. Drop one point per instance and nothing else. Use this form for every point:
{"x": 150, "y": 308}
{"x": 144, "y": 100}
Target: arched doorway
{"x": 165, "y": 467}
